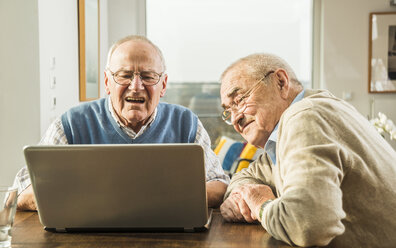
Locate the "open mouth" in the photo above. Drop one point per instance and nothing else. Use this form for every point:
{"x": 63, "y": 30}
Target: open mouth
{"x": 135, "y": 99}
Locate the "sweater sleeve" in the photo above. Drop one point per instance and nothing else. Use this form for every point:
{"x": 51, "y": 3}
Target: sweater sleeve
{"x": 258, "y": 172}
{"x": 309, "y": 210}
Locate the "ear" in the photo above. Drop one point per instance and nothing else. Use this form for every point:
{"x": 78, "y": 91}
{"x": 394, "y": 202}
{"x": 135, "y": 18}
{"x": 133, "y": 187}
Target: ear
{"x": 283, "y": 83}
{"x": 163, "y": 84}
{"x": 107, "y": 83}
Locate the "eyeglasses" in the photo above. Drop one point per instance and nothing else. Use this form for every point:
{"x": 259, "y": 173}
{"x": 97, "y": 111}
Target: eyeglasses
{"x": 240, "y": 102}
{"x": 125, "y": 78}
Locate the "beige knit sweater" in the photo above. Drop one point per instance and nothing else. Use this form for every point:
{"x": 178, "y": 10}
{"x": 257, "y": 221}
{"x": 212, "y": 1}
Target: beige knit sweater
{"x": 335, "y": 177}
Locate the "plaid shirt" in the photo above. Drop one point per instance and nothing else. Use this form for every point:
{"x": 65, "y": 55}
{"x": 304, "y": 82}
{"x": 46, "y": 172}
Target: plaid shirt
{"x": 55, "y": 135}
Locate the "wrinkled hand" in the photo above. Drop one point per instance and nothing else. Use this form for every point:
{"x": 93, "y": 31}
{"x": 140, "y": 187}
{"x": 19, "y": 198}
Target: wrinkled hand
{"x": 235, "y": 209}
{"x": 26, "y": 200}
{"x": 255, "y": 195}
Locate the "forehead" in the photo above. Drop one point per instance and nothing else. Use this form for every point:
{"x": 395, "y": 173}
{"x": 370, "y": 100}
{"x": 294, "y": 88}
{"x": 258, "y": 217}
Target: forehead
{"x": 131, "y": 53}
{"x": 233, "y": 83}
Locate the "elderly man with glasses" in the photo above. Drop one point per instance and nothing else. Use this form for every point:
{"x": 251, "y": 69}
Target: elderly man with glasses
{"x": 327, "y": 177}
{"x": 135, "y": 80}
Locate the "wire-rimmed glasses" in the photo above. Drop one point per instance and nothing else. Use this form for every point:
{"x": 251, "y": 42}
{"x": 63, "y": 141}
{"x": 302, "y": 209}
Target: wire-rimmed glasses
{"x": 240, "y": 102}
{"x": 125, "y": 78}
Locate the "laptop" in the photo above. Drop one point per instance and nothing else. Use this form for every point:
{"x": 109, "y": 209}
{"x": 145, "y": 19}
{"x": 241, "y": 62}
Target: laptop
{"x": 139, "y": 187}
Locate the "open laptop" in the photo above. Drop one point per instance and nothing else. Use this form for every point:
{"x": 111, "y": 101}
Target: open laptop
{"x": 144, "y": 187}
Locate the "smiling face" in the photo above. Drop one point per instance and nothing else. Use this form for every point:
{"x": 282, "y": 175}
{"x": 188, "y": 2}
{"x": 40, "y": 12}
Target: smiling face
{"x": 134, "y": 104}
{"x": 257, "y": 118}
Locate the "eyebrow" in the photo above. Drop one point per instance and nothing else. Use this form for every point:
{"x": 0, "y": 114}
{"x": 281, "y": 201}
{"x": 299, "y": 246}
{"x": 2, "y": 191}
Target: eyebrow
{"x": 131, "y": 71}
{"x": 233, "y": 92}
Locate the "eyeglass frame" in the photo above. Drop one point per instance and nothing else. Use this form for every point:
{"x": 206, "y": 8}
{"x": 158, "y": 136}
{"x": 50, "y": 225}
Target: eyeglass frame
{"x": 133, "y": 72}
{"x": 226, "y": 115}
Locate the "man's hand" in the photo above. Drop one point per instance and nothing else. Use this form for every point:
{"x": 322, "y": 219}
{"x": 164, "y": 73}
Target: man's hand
{"x": 235, "y": 209}
{"x": 215, "y": 193}
{"x": 255, "y": 195}
{"x": 26, "y": 200}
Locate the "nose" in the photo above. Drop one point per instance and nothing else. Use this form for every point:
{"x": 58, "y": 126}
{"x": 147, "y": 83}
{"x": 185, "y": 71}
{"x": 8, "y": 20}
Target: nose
{"x": 136, "y": 82}
{"x": 234, "y": 116}
{"x": 237, "y": 114}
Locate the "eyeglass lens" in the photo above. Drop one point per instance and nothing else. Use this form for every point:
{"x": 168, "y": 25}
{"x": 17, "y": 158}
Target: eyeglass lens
{"x": 227, "y": 115}
{"x": 126, "y": 77}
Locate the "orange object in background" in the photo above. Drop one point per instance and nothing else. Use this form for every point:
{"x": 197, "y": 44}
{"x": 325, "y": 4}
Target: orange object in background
{"x": 247, "y": 153}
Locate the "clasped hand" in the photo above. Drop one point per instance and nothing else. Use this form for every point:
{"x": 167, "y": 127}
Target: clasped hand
{"x": 243, "y": 204}
{"x": 26, "y": 200}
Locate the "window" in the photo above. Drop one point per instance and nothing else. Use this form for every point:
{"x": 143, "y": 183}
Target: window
{"x": 200, "y": 39}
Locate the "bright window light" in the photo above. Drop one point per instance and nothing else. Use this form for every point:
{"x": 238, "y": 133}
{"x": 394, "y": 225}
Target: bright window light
{"x": 200, "y": 39}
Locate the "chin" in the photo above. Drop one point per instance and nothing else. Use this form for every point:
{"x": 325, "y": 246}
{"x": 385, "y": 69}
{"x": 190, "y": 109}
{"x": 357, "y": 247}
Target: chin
{"x": 135, "y": 116}
{"x": 255, "y": 139}
{"x": 255, "y": 143}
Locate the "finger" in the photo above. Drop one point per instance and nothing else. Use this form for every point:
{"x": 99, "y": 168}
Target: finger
{"x": 227, "y": 212}
{"x": 254, "y": 216}
{"x": 235, "y": 208}
{"x": 245, "y": 211}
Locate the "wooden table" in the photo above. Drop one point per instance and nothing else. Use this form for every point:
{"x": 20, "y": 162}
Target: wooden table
{"x": 28, "y": 232}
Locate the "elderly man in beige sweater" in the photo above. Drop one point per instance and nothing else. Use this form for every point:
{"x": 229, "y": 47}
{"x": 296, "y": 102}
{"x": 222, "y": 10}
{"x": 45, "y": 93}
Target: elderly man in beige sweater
{"x": 327, "y": 177}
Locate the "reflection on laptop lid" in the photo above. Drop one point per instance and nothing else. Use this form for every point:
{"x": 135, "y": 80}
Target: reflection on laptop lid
{"x": 119, "y": 187}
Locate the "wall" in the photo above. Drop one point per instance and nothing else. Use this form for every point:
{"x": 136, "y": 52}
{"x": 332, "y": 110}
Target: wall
{"x": 344, "y": 51}
{"x": 103, "y": 42}
{"x": 58, "y": 25}
{"x": 19, "y": 83}
{"x": 125, "y": 17}
{"x": 58, "y": 28}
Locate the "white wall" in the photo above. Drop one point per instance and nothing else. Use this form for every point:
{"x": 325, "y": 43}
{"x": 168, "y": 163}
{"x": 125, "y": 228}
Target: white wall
{"x": 19, "y": 83}
{"x": 344, "y": 50}
{"x": 58, "y": 32}
{"x": 103, "y": 42}
{"x": 126, "y": 17}
{"x": 58, "y": 27}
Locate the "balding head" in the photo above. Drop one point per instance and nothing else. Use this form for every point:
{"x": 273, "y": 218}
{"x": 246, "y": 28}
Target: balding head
{"x": 134, "y": 38}
{"x": 255, "y": 66}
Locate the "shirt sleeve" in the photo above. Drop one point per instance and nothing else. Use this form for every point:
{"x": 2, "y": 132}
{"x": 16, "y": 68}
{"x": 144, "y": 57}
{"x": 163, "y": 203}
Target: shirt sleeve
{"x": 213, "y": 169}
{"x": 55, "y": 135}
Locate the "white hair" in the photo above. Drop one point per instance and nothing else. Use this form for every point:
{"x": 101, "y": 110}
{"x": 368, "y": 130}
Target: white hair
{"x": 134, "y": 38}
{"x": 258, "y": 64}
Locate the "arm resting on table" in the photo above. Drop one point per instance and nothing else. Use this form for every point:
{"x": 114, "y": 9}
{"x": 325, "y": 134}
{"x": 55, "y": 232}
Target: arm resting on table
{"x": 215, "y": 192}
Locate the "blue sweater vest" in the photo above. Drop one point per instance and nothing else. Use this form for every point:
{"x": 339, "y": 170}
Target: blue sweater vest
{"x": 92, "y": 123}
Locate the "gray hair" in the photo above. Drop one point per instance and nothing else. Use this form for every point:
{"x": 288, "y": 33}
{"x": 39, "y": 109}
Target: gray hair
{"x": 257, "y": 65}
{"x": 134, "y": 38}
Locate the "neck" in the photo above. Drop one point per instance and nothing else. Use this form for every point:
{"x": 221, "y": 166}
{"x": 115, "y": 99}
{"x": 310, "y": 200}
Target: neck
{"x": 295, "y": 90}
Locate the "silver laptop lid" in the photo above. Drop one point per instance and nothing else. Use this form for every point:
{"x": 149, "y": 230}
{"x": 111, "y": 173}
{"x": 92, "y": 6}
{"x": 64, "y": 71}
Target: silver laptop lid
{"x": 119, "y": 186}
